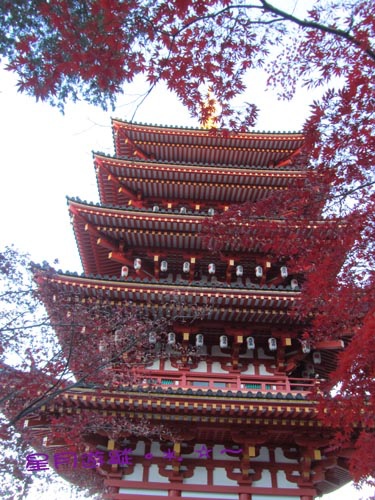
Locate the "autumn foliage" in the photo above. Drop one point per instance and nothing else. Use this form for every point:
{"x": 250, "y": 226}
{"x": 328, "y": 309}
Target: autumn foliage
{"x": 72, "y": 49}
{"x": 324, "y": 229}
{"x": 73, "y": 343}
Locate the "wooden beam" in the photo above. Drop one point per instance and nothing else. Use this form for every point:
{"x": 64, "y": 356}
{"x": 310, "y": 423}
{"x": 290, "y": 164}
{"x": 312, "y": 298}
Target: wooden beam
{"x": 330, "y": 345}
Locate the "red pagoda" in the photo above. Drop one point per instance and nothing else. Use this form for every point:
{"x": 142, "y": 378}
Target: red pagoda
{"x": 238, "y": 395}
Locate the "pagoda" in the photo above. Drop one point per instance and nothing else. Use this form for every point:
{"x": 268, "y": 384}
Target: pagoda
{"x": 238, "y": 395}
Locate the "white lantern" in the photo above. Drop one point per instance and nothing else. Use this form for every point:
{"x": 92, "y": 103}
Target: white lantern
{"x": 199, "y": 340}
{"x": 317, "y": 357}
{"x": 137, "y": 264}
{"x": 223, "y": 341}
{"x": 272, "y": 344}
{"x": 250, "y": 341}
{"x": 183, "y": 210}
{"x": 118, "y": 336}
{"x": 186, "y": 267}
{"x": 305, "y": 346}
{"x": 152, "y": 338}
{"x": 211, "y": 211}
{"x": 294, "y": 284}
{"x": 211, "y": 268}
{"x": 124, "y": 272}
{"x": 171, "y": 338}
{"x": 163, "y": 266}
{"x": 155, "y": 208}
{"x": 259, "y": 271}
{"x": 239, "y": 270}
{"x": 284, "y": 271}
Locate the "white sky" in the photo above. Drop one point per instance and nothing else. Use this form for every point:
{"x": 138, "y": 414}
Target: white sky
{"x": 46, "y": 156}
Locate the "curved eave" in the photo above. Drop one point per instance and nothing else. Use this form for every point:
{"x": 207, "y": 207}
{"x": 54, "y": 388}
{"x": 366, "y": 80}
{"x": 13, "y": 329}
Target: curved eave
{"x": 133, "y": 218}
{"x": 204, "y": 146}
{"x": 122, "y": 179}
{"x": 295, "y": 407}
{"x": 101, "y": 231}
{"x": 193, "y": 301}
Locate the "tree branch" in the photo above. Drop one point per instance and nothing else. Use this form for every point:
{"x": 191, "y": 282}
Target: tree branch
{"x": 44, "y": 399}
{"x": 283, "y": 16}
{"x": 320, "y": 27}
{"x": 348, "y": 192}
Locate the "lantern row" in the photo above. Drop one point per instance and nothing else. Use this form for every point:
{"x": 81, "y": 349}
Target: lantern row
{"x": 211, "y": 270}
{"x": 250, "y": 343}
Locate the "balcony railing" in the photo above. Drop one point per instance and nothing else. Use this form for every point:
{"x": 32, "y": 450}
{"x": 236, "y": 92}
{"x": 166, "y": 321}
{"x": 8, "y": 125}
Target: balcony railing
{"x": 243, "y": 383}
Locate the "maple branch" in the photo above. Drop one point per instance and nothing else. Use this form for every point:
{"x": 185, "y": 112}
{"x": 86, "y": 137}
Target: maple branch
{"x": 24, "y": 327}
{"x": 267, "y": 7}
{"x": 321, "y": 27}
{"x": 217, "y": 14}
{"x": 13, "y": 319}
{"x": 145, "y": 95}
{"x": 348, "y": 192}
{"x": 44, "y": 399}
{"x": 16, "y": 293}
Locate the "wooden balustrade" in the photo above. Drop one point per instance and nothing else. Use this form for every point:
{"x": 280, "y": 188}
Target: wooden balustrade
{"x": 236, "y": 383}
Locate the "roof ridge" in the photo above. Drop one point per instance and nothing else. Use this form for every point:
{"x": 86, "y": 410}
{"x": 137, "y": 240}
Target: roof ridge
{"x": 200, "y": 129}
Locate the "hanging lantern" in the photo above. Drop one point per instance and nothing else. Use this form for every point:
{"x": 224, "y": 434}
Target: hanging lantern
{"x": 186, "y": 267}
{"x": 239, "y": 271}
{"x": 211, "y": 211}
{"x": 183, "y": 210}
{"x": 305, "y": 344}
{"x": 259, "y": 271}
{"x": 272, "y": 344}
{"x": 199, "y": 340}
{"x": 223, "y": 342}
{"x": 294, "y": 284}
{"x": 284, "y": 271}
{"x": 163, "y": 266}
{"x": 137, "y": 264}
{"x": 117, "y": 336}
{"x": 152, "y": 338}
{"x": 171, "y": 338}
{"x": 124, "y": 272}
{"x": 250, "y": 342}
{"x": 317, "y": 357}
{"x": 211, "y": 268}
{"x": 155, "y": 208}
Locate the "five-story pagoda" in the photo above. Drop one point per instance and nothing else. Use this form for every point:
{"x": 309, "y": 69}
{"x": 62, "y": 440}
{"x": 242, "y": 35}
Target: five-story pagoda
{"x": 236, "y": 390}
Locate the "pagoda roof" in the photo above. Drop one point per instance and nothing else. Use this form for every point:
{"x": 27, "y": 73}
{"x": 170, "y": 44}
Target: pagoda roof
{"x": 275, "y": 415}
{"x": 105, "y": 234}
{"x": 296, "y": 405}
{"x": 121, "y": 179}
{"x": 100, "y": 230}
{"x": 182, "y": 301}
{"x": 204, "y": 146}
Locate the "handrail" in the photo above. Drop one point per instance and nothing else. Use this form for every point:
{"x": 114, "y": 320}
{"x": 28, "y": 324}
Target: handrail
{"x": 228, "y": 382}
